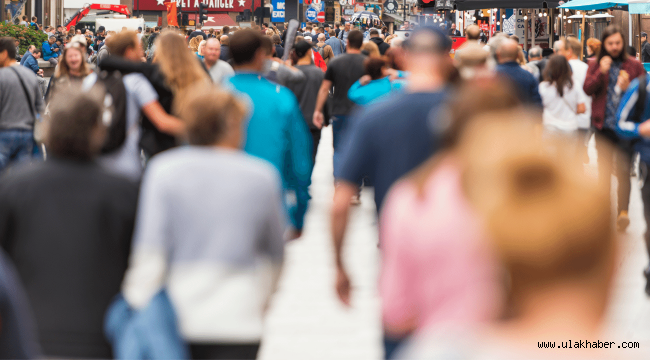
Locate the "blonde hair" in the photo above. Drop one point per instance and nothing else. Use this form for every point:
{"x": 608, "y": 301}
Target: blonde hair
{"x": 270, "y": 32}
{"x": 194, "y": 43}
{"x": 371, "y": 48}
{"x": 389, "y": 38}
{"x": 201, "y": 47}
{"x": 63, "y": 70}
{"x": 179, "y": 66}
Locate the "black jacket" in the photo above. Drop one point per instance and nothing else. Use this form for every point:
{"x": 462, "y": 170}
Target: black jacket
{"x": 380, "y": 44}
{"x": 67, "y": 226}
{"x": 152, "y": 140}
{"x": 645, "y": 52}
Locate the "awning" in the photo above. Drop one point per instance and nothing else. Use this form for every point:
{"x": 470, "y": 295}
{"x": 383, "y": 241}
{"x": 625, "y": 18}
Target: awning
{"x": 639, "y": 6}
{"x": 215, "y": 20}
{"x": 397, "y": 17}
{"x": 594, "y": 4}
{"x": 505, "y": 4}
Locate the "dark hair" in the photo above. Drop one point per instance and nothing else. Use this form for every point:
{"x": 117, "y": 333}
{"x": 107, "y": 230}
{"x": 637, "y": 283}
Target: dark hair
{"x": 515, "y": 38}
{"x": 610, "y": 31}
{"x": 225, "y": 29}
{"x": 74, "y": 114}
{"x": 7, "y": 44}
{"x": 374, "y": 66}
{"x": 355, "y": 38}
{"x": 36, "y": 51}
{"x": 631, "y": 50}
{"x": 267, "y": 44}
{"x": 558, "y": 71}
{"x": 373, "y": 32}
{"x": 243, "y": 46}
{"x": 276, "y": 39}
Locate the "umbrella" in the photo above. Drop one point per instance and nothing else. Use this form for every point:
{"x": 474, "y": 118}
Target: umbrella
{"x": 367, "y": 17}
{"x": 594, "y": 4}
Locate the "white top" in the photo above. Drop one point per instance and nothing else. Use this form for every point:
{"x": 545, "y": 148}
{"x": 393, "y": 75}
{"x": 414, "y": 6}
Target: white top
{"x": 560, "y": 111}
{"x": 210, "y": 229}
{"x": 579, "y": 69}
{"x": 221, "y": 71}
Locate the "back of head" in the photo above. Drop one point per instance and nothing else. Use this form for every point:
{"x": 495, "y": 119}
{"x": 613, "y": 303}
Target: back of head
{"x": 119, "y": 43}
{"x": 243, "y": 46}
{"x": 210, "y": 114}
{"x": 573, "y": 44}
{"x": 75, "y": 129}
{"x": 276, "y": 39}
{"x": 428, "y": 40}
{"x": 473, "y": 32}
{"x": 267, "y": 45}
{"x": 177, "y": 63}
{"x": 355, "y": 39}
{"x": 471, "y": 57}
{"x": 535, "y": 52}
{"x": 302, "y": 48}
{"x": 225, "y": 29}
{"x": 7, "y": 44}
{"x": 558, "y": 72}
{"x": 549, "y": 221}
{"x": 374, "y": 67}
{"x": 374, "y": 32}
{"x": 371, "y": 49}
{"x": 507, "y": 50}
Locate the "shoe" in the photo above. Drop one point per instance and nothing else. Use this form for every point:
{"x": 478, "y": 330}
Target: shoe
{"x": 646, "y": 273}
{"x": 622, "y": 222}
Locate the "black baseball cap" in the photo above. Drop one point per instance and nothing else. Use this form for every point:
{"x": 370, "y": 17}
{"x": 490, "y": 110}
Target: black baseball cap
{"x": 301, "y": 48}
{"x": 101, "y": 28}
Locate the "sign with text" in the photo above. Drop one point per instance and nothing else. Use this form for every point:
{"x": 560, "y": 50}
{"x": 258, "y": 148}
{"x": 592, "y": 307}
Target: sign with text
{"x": 193, "y": 5}
{"x": 278, "y": 11}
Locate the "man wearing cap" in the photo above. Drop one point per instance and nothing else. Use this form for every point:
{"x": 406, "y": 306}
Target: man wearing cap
{"x": 391, "y": 138}
{"x": 645, "y": 48}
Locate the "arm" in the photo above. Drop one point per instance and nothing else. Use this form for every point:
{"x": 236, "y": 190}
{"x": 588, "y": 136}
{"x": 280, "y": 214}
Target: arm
{"x": 344, "y": 191}
{"x": 625, "y": 126}
{"x": 272, "y": 240}
{"x": 148, "y": 263}
{"x": 535, "y": 98}
{"x": 47, "y": 50}
{"x": 353, "y": 93}
{"x": 32, "y": 64}
{"x": 290, "y": 74}
{"x": 323, "y": 93}
{"x": 595, "y": 79}
{"x": 162, "y": 121}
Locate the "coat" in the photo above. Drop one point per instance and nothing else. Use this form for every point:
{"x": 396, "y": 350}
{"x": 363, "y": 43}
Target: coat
{"x": 596, "y": 86}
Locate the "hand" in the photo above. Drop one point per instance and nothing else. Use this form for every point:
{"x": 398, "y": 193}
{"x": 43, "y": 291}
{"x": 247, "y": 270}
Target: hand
{"x": 342, "y": 285}
{"x": 392, "y": 74}
{"x": 644, "y": 129}
{"x": 582, "y": 108}
{"x": 605, "y": 64}
{"x": 365, "y": 80}
{"x": 623, "y": 80}
{"x": 318, "y": 119}
{"x": 294, "y": 234}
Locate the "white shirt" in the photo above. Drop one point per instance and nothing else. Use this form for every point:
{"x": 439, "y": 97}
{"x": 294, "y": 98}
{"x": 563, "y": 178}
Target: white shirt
{"x": 221, "y": 71}
{"x": 560, "y": 111}
{"x": 579, "y": 69}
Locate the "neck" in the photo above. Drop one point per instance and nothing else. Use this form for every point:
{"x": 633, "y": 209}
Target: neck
{"x": 250, "y": 67}
{"x": 563, "y": 310}
{"x": 8, "y": 62}
{"x": 304, "y": 61}
{"x": 227, "y": 144}
{"x": 75, "y": 72}
{"x": 353, "y": 51}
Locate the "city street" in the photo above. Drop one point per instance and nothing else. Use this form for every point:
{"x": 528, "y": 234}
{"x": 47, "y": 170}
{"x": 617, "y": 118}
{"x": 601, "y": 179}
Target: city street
{"x": 306, "y": 320}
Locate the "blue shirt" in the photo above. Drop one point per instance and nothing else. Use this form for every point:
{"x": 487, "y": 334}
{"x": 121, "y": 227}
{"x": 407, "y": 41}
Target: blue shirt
{"x": 336, "y": 45}
{"x": 48, "y": 51}
{"x": 29, "y": 61}
{"x": 278, "y": 133}
{"x": 389, "y": 139}
{"x": 527, "y": 85}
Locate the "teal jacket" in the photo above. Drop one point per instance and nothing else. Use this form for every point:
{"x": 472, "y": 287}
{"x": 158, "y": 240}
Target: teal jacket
{"x": 277, "y": 132}
{"x": 373, "y": 91}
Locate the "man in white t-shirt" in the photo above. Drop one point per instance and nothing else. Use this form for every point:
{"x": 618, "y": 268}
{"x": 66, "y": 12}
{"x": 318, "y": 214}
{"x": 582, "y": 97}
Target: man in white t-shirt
{"x": 570, "y": 49}
{"x": 219, "y": 70}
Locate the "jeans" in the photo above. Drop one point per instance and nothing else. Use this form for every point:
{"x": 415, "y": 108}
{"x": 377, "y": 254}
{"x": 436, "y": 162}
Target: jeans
{"x": 339, "y": 128}
{"x": 15, "y": 146}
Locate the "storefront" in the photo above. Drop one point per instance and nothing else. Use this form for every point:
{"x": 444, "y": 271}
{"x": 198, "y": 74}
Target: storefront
{"x": 219, "y": 8}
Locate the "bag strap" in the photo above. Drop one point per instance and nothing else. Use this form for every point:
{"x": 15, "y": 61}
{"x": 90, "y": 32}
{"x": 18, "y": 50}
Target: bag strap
{"x": 29, "y": 99}
{"x": 640, "y": 102}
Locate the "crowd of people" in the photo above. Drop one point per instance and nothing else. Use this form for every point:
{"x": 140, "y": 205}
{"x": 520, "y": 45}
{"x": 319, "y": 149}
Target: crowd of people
{"x": 148, "y": 190}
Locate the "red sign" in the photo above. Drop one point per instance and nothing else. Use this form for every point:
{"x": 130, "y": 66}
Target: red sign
{"x": 321, "y": 17}
{"x": 193, "y": 5}
{"x": 457, "y": 42}
{"x": 172, "y": 20}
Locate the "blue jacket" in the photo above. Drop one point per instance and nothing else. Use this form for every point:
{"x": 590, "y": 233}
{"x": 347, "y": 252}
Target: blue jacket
{"x": 48, "y": 52}
{"x": 336, "y": 45}
{"x": 376, "y": 90}
{"x": 278, "y": 133}
{"x": 29, "y": 61}
{"x": 150, "y": 333}
{"x": 526, "y": 83}
{"x": 627, "y": 126}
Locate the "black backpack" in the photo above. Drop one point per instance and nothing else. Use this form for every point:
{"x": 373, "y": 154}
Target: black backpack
{"x": 115, "y": 100}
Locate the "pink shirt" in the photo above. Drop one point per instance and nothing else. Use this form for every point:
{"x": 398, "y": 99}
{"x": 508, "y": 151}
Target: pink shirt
{"x": 437, "y": 264}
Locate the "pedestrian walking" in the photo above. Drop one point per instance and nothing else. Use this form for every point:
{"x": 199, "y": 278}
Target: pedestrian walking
{"x": 221, "y": 262}
{"x": 285, "y": 141}
{"x": 561, "y": 98}
{"x": 507, "y": 53}
{"x": 276, "y": 70}
{"x": 609, "y": 75}
{"x": 335, "y": 43}
{"x": 225, "y": 48}
{"x": 344, "y": 33}
{"x": 72, "y": 70}
{"x": 20, "y": 107}
{"x": 323, "y": 49}
{"x": 341, "y": 74}
{"x": 307, "y": 91}
{"x": 219, "y": 70}
{"x": 645, "y": 48}
{"x": 381, "y": 45}
{"x": 70, "y": 258}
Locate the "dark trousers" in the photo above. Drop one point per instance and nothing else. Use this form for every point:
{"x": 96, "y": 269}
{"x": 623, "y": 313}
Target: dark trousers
{"x": 315, "y": 137}
{"x": 224, "y": 351}
{"x": 620, "y": 153}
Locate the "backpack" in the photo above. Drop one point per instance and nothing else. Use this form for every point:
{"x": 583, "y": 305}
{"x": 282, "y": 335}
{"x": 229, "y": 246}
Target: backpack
{"x": 320, "y": 50}
{"x": 115, "y": 100}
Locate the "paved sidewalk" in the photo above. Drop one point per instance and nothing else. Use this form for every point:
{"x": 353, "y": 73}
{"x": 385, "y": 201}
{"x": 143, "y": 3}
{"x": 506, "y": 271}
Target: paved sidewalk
{"x": 306, "y": 320}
